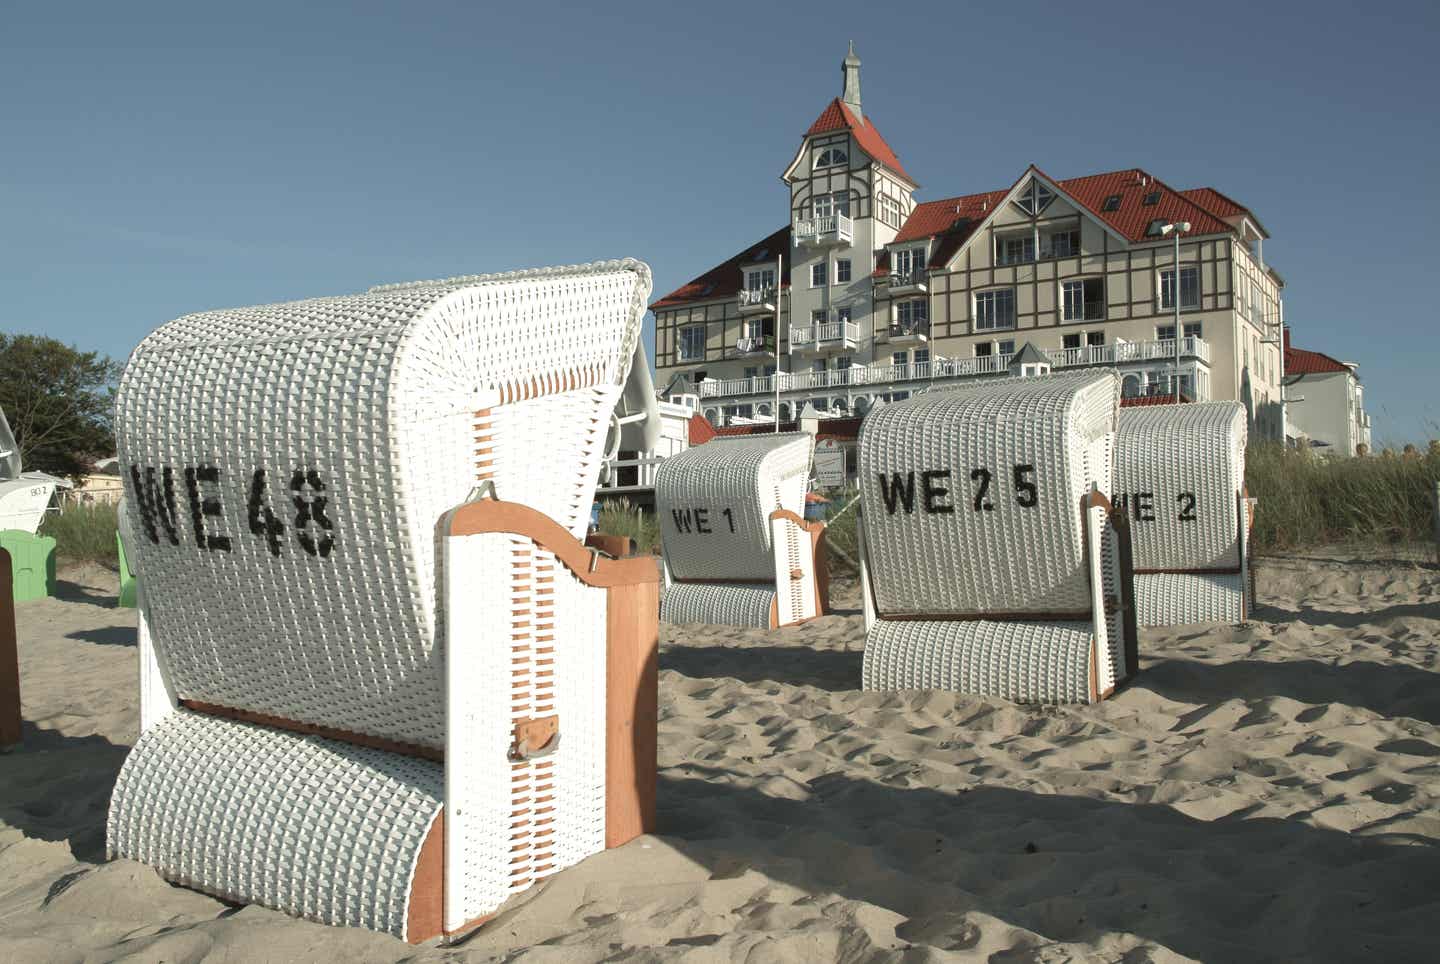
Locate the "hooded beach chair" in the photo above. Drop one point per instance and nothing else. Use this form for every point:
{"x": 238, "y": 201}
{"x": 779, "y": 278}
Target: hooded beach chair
{"x": 736, "y": 545}
{"x": 1180, "y": 475}
{"x": 991, "y": 561}
{"x": 382, "y": 682}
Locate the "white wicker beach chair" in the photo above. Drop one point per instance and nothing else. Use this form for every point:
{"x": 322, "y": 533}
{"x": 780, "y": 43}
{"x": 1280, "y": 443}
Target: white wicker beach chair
{"x": 372, "y": 693}
{"x": 737, "y": 548}
{"x": 991, "y": 562}
{"x": 1180, "y": 478}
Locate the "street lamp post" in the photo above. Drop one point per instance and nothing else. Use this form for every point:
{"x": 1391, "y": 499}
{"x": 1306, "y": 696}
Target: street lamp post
{"x": 1176, "y": 228}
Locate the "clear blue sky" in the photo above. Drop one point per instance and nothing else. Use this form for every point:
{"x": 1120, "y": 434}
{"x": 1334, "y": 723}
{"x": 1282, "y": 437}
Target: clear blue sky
{"x": 157, "y": 159}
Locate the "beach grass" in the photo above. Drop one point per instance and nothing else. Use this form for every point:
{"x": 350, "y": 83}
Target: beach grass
{"x": 1308, "y": 500}
{"x": 619, "y": 517}
{"x": 83, "y": 533}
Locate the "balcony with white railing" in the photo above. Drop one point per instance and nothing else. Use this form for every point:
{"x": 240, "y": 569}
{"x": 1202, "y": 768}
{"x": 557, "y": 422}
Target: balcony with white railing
{"x": 826, "y": 336}
{"x": 826, "y": 230}
{"x": 755, "y": 345}
{"x": 755, "y": 301}
{"x": 909, "y": 282}
{"x": 939, "y": 370}
{"x": 1130, "y": 351}
{"x": 908, "y": 333}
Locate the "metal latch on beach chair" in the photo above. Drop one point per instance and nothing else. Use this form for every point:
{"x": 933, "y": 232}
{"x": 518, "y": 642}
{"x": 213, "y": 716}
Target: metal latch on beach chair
{"x": 535, "y": 738}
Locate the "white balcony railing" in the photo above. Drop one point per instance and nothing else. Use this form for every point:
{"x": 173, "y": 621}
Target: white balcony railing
{"x": 1130, "y": 351}
{"x": 944, "y": 369}
{"x": 832, "y": 228}
{"x": 755, "y": 345}
{"x": 757, "y": 297}
{"x": 826, "y": 335}
{"x": 914, "y": 278}
{"x": 915, "y": 329}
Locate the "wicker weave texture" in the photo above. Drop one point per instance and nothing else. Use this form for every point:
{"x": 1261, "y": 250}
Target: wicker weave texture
{"x": 1178, "y": 470}
{"x": 1024, "y": 554}
{"x": 316, "y": 828}
{"x": 1183, "y": 598}
{"x": 713, "y": 503}
{"x": 725, "y": 604}
{"x": 389, "y": 400}
{"x": 1028, "y": 662}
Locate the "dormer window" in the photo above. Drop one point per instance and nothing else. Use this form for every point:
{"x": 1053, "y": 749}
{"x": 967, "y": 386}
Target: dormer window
{"x": 832, "y": 157}
{"x": 908, "y": 263}
{"x": 1037, "y": 197}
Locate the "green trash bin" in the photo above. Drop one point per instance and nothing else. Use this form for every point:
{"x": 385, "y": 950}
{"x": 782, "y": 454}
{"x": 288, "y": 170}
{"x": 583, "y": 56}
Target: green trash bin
{"x": 32, "y": 559}
{"x": 128, "y": 583}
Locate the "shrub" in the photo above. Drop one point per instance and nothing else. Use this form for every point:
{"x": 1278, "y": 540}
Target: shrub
{"x": 83, "y": 533}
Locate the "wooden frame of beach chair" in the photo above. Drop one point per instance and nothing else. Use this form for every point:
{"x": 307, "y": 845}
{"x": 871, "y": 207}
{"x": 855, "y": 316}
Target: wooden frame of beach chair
{"x": 10, "y": 725}
{"x": 737, "y": 548}
{"x": 398, "y": 701}
{"x": 992, "y": 562}
{"x": 1180, "y": 474}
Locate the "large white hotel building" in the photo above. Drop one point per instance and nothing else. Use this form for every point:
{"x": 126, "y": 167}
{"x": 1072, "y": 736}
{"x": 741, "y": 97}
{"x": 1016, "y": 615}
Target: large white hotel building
{"x": 867, "y": 294}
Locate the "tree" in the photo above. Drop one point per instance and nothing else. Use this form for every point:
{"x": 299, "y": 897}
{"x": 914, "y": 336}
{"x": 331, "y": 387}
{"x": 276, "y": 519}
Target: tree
{"x": 58, "y": 401}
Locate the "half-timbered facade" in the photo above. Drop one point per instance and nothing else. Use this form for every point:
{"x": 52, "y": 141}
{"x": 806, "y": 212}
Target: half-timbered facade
{"x": 867, "y": 295}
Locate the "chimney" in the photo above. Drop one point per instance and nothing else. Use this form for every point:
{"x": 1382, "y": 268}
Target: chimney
{"x": 850, "y": 69}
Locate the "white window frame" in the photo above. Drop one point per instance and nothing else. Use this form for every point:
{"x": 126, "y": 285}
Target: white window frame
{"x": 1191, "y": 329}
{"x": 992, "y": 296}
{"x": 819, "y": 273}
{"x": 1074, "y": 250}
{"x": 836, "y": 155}
{"x": 758, "y": 279}
{"x": 1002, "y": 243}
{"x": 1065, "y": 286}
{"x": 908, "y": 261}
{"x": 684, "y": 342}
{"x": 839, "y": 271}
{"x": 1161, "y": 281}
{"x": 911, "y": 312}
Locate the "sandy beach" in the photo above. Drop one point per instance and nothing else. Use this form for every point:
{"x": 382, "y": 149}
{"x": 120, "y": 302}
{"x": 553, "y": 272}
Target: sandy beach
{"x": 1266, "y": 792}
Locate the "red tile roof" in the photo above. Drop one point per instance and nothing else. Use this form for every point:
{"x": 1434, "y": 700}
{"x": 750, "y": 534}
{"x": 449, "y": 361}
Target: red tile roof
{"x": 837, "y": 116}
{"x": 1298, "y": 361}
{"x": 699, "y": 429}
{"x": 1215, "y": 202}
{"x": 1133, "y": 216}
{"x": 724, "y": 280}
{"x": 954, "y": 219}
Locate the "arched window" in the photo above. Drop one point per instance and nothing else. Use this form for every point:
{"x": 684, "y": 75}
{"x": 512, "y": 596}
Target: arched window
{"x": 1130, "y": 387}
{"x": 831, "y": 157}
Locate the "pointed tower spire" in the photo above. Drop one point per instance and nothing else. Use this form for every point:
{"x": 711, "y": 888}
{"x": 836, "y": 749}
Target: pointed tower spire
{"x": 850, "y": 69}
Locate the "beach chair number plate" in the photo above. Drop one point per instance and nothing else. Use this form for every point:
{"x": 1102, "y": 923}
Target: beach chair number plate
{"x": 701, "y": 522}
{"x": 1141, "y": 506}
{"x": 155, "y": 493}
{"x": 938, "y": 493}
